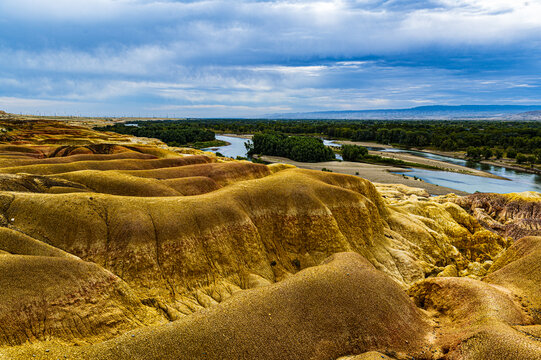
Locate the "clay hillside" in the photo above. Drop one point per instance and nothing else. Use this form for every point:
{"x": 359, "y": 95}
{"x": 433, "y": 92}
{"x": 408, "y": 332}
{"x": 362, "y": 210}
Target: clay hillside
{"x": 114, "y": 247}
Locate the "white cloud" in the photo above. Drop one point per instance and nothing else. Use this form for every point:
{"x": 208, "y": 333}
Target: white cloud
{"x": 241, "y": 55}
{"x": 136, "y": 61}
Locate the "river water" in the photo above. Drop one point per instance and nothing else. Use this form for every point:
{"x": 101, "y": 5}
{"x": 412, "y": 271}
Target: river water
{"x": 236, "y": 147}
{"x": 519, "y": 180}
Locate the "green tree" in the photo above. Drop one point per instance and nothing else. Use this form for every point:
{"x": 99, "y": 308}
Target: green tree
{"x": 521, "y": 158}
{"x": 353, "y": 152}
{"x": 473, "y": 153}
{"x": 487, "y": 153}
{"x": 511, "y": 153}
{"x": 537, "y": 154}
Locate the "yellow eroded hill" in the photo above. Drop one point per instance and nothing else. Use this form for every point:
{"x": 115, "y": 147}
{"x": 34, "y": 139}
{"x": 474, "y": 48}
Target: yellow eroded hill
{"x": 344, "y": 306}
{"x": 64, "y": 299}
{"x": 172, "y": 248}
{"x": 97, "y": 240}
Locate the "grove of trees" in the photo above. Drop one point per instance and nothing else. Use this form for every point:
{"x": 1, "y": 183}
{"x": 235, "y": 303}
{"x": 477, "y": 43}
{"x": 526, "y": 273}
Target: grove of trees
{"x": 173, "y": 133}
{"x": 353, "y": 152}
{"x": 298, "y": 148}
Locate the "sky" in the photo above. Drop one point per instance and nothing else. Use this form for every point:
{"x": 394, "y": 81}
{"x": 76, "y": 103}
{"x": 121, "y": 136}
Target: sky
{"x": 215, "y": 58}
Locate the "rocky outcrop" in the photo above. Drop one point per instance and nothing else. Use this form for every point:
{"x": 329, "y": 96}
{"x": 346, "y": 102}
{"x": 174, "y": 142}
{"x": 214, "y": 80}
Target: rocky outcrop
{"x": 510, "y": 215}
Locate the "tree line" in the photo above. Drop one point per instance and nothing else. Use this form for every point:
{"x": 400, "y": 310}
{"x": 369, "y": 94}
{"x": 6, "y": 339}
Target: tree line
{"x": 173, "y": 133}
{"x": 447, "y": 135}
{"x": 478, "y": 153}
{"x": 519, "y": 140}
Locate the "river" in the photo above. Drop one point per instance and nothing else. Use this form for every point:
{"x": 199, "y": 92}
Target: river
{"x": 520, "y": 181}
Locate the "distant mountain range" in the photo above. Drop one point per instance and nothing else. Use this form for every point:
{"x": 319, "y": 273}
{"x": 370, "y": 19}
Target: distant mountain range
{"x": 530, "y": 115}
{"x": 436, "y": 112}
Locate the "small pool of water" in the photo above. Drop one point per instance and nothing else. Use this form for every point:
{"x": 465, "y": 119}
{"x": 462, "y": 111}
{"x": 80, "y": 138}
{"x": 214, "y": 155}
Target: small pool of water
{"x": 332, "y": 143}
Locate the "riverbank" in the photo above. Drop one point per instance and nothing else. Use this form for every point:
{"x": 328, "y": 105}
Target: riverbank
{"x": 374, "y": 173}
{"x": 447, "y": 181}
{"x": 240, "y": 136}
{"x": 504, "y": 163}
{"x": 440, "y": 165}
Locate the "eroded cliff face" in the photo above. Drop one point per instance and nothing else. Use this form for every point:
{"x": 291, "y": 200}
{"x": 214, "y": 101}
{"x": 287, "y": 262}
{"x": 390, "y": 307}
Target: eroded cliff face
{"x": 65, "y": 299}
{"x": 129, "y": 237}
{"x": 510, "y": 215}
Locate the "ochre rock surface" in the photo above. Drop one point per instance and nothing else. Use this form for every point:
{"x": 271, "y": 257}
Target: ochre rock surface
{"x": 342, "y": 306}
{"x": 511, "y": 215}
{"x": 64, "y": 299}
{"x": 519, "y": 270}
{"x": 472, "y": 315}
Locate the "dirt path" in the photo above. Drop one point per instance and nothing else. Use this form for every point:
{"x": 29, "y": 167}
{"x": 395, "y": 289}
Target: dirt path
{"x": 363, "y": 143}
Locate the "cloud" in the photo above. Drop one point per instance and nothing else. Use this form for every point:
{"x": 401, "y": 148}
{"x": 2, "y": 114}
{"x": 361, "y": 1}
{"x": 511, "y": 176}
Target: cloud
{"x": 132, "y": 61}
{"x": 248, "y": 56}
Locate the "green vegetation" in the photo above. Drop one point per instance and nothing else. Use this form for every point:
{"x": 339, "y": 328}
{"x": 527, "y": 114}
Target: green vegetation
{"x": 476, "y": 153}
{"x": 479, "y": 139}
{"x": 173, "y": 133}
{"x": 298, "y": 148}
{"x": 353, "y": 152}
{"x": 511, "y": 153}
{"x": 500, "y": 137}
{"x": 523, "y": 136}
{"x": 526, "y": 159}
